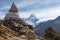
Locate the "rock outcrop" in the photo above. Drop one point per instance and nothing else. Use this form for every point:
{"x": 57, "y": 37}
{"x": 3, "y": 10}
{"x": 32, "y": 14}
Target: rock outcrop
{"x": 16, "y": 30}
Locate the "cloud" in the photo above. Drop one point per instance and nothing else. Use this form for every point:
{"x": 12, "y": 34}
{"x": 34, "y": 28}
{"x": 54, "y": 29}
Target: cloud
{"x": 43, "y": 9}
{"x": 5, "y": 7}
{"x": 29, "y": 5}
{"x": 2, "y": 15}
{"x": 43, "y": 14}
{"x": 25, "y": 14}
{"x": 24, "y": 3}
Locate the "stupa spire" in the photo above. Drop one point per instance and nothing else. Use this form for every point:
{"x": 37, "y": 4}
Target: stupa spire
{"x": 13, "y": 8}
{"x": 13, "y": 13}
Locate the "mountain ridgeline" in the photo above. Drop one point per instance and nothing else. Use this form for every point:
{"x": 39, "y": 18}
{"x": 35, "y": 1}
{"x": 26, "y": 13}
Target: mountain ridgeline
{"x": 55, "y": 24}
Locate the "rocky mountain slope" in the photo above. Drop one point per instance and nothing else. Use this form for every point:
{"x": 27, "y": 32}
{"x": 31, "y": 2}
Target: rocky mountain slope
{"x": 17, "y": 30}
{"x": 55, "y": 24}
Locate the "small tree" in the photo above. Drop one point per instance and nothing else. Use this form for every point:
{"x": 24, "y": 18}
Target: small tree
{"x": 57, "y": 38}
{"x": 49, "y": 33}
{"x": 30, "y": 27}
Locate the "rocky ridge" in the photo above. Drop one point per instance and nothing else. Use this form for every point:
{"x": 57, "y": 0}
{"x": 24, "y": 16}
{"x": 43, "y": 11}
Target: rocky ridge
{"x": 16, "y": 30}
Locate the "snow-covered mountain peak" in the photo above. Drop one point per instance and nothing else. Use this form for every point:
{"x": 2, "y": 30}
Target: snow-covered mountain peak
{"x": 32, "y": 20}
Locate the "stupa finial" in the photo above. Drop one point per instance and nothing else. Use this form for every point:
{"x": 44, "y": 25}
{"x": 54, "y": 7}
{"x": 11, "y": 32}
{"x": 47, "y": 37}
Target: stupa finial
{"x": 13, "y": 8}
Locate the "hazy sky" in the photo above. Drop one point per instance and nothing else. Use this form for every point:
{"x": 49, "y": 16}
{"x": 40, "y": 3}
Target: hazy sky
{"x": 43, "y": 9}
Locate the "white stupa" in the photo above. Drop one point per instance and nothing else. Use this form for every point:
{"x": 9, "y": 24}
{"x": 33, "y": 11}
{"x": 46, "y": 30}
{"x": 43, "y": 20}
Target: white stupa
{"x": 13, "y": 13}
